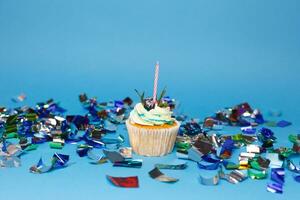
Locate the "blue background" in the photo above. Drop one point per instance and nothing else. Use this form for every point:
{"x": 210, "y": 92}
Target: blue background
{"x": 213, "y": 54}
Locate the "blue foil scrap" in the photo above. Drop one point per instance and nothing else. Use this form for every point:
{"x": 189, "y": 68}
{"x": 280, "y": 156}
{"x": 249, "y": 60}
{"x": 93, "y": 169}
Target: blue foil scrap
{"x": 277, "y": 176}
{"x": 96, "y": 158}
{"x": 58, "y": 161}
{"x": 248, "y": 130}
{"x": 283, "y": 123}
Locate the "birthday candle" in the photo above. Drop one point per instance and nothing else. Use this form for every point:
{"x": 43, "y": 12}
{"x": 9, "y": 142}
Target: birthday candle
{"x": 155, "y": 82}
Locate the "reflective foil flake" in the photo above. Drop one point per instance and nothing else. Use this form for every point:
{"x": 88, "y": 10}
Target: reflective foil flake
{"x": 133, "y": 163}
{"x": 283, "y": 123}
{"x": 292, "y": 167}
{"x": 125, "y": 182}
{"x": 113, "y": 156}
{"x": 248, "y": 130}
{"x": 158, "y": 175}
{"x": 257, "y": 174}
{"x": 210, "y": 180}
{"x": 234, "y": 177}
{"x": 266, "y": 136}
{"x": 275, "y": 162}
{"x": 96, "y": 158}
{"x": 173, "y": 167}
{"x": 126, "y": 152}
{"x": 277, "y": 176}
{"x": 58, "y": 161}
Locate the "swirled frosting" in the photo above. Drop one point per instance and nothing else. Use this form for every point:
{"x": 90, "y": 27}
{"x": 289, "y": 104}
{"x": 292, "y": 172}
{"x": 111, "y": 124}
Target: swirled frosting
{"x": 157, "y": 116}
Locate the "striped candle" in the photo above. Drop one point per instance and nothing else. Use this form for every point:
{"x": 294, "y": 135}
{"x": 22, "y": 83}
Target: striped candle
{"x": 155, "y": 82}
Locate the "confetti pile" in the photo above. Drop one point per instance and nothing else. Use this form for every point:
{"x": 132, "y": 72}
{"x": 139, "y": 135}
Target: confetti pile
{"x": 197, "y": 141}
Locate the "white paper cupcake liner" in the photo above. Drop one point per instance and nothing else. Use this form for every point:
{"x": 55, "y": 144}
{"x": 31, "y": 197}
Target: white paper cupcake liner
{"x": 152, "y": 142}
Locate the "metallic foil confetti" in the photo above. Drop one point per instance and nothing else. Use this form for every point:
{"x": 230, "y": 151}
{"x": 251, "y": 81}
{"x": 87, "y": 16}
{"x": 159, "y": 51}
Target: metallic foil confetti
{"x": 212, "y": 166}
{"x": 126, "y": 152}
{"x": 158, "y": 175}
{"x": 96, "y": 158}
{"x": 266, "y": 136}
{"x": 297, "y": 178}
{"x": 252, "y": 148}
{"x": 126, "y": 182}
{"x": 256, "y": 174}
{"x": 248, "y": 130}
{"x": 174, "y": 167}
{"x": 58, "y": 161}
{"x": 283, "y": 123}
{"x": 133, "y": 163}
{"x": 260, "y": 163}
{"x": 292, "y": 167}
{"x": 275, "y": 162}
{"x": 275, "y": 188}
{"x": 82, "y": 150}
{"x": 113, "y": 156}
{"x": 277, "y": 175}
{"x": 210, "y": 180}
{"x": 235, "y": 176}
{"x": 201, "y": 142}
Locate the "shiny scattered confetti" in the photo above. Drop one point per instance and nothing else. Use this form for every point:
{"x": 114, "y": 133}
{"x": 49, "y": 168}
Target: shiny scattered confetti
{"x": 95, "y": 135}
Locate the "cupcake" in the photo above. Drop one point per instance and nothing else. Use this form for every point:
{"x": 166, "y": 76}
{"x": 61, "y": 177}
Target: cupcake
{"x": 152, "y": 129}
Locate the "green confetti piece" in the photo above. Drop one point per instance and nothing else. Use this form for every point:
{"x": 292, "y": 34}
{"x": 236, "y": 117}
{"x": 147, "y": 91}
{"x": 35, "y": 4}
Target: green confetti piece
{"x": 231, "y": 166}
{"x": 294, "y": 139}
{"x": 237, "y": 137}
{"x": 255, "y": 174}
{"x": 56, "y": 145}
{"x": 254, "y": 165}
{"x": 11, "y": 135}
{"x": 183, "y": 145}
{"x": 11, "y": 128}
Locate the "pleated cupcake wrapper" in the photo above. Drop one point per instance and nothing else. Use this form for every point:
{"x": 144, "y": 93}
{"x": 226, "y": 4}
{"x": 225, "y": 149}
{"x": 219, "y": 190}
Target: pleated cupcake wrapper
{"x": 152, "y": 142}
